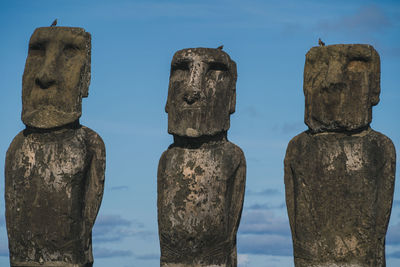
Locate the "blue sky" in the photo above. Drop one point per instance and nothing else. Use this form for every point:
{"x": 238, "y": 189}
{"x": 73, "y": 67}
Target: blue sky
{"x": 132, "y": 46}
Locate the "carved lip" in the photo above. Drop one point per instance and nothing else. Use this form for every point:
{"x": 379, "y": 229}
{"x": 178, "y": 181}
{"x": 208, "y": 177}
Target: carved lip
{"x": 334, "y": 87}
{"x": 194, "y": 106}
{"x": 191, "y": 108}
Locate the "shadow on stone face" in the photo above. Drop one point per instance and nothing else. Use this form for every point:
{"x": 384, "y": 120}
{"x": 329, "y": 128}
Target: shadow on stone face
{"x": 54, "y": 169}
{"x": 339, "y": 175}
{"x": 201, "y": 176}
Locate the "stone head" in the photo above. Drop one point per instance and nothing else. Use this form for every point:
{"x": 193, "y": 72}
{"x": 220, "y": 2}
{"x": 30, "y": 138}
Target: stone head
{"x": 56, "y": 76}
{"x": 202, "y": 92}
{"x": 341, "y": 84}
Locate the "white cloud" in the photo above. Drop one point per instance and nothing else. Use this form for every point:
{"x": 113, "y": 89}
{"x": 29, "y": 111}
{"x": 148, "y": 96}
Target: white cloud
{"x": 148, "y": 257}
{"x": 110, "y": 253}
{"x": 260, "y": 221}
{"x": 110, "y": 228}
{"x": 3, "y": 249}
{"x": 265, "y": 192}
{"x": 263, "y": 233}
{"x": 120, "y": 187}
{"x": 265, "y": 206}
{"x": 266, "y": 244}
{"x": 393, "y": 235}
{"x": 366, "y": 19}
{"x": 243, "y": 260}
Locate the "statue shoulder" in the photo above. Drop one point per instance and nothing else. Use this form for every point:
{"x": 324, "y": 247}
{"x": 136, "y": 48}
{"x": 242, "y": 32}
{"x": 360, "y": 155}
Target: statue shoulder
{"x": 297, "y": 142}
{"x": 235, "y": 153}
{"x": 169, "y": 152}
{"x": 16, "y": 143}
{"x": 93, "y": 139}
{"x": 384, "y": 142}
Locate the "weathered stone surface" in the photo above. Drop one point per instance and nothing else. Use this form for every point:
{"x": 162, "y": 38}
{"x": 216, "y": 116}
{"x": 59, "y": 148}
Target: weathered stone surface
{"x": 202, "y": 92}
{"x": 339, "y": 175}
{"x": 54, "y": 172}
{"x": 201, "y": 177}
{"x": 339, "y": 191}
{"x": 341, "y": 84}
{"x": 56, "y": 76}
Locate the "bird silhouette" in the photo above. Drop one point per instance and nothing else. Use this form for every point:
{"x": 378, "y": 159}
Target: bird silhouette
{"x": 54, "y": 23}
{"x": 320, "y": 42}
{"x": 220, "y": 47}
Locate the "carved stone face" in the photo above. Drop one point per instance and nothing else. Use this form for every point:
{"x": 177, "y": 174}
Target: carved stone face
{"x": 202, "y": 92}
{"x": 56, "y": 76}
{"x": 341, "y": 84}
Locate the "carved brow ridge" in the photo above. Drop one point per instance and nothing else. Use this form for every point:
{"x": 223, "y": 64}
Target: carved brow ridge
{"x": 69, "y": 41}
{"x": 360, "y": 57}
{"x": 220, "y": 64}
{"x": 38, "y": 42}
{"x": 360, "y": 54}
{"x": 37, "y": 45}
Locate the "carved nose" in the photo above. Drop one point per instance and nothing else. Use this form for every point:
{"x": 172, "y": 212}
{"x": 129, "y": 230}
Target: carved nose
{"x": 44, "y": 80}
{"x": 191, "y": 97}
{"x": 46, "y": 76}
{"x": 334, "y": 74}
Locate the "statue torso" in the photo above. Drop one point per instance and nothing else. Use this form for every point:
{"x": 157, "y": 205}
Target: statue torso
{"x": 194, "y": 199}
{"x": 337, "y": 181}
{"x": 45, "y": 195}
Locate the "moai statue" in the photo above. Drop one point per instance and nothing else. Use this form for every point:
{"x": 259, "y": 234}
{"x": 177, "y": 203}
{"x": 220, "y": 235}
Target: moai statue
{"x": 339, "y": 174}
{"x": 201, "y": 176}
{"x": 54, "y": 169}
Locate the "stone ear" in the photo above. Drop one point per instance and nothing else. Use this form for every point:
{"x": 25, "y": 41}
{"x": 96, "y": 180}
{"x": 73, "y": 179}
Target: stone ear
{"x": 166, "y": 106}
{"x": 232, "y": 101}
{"x": 375, "y": 96}
{"x": 86, "y": 70}
{"x": 375, "y": 89}
{"x": 375, "y": 78}
{"x": 168, "y": 101}
{"x": 85, "y": 81}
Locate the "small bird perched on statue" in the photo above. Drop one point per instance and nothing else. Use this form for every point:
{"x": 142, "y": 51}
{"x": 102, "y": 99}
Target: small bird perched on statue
{"x": 220, "y": 47}
{"x": 54, "y": 23}
{"x": 320, "y": 42}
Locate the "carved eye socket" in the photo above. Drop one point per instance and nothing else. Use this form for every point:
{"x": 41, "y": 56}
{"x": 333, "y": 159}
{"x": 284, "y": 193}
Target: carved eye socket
{"x": 310, "y": 60}
{"x": 214, "y": 66}
{"x": 360, "y": 58}
{"x": 37, "y": 49}
{"x": 358, "y": 64}
{"x": 182, "y": 65}
{"x": 311, "y": 56}
{"x": 71, "y": 50}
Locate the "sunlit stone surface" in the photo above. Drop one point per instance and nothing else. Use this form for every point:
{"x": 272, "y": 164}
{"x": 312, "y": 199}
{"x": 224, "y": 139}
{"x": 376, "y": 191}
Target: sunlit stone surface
{"x": 201, "y": 176}
{"x": 55, "y": 167}
{"x": 339, "y": 175}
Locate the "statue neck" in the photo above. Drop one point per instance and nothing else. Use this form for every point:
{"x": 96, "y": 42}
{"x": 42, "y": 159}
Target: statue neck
{"x": 52, "y": 134}
{"x": 201, "y": 141}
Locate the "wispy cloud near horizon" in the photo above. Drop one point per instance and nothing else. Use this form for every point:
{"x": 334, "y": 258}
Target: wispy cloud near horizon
{"x": 3, "y": 249}
{"x": 369, "y": 19}
{"x": 263, "y": 222}
{"x": 110, "y": 228}
{"x": 101, "y": 252}
{"x": 265, "y": 192}
{"x": 266, "y": 244}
